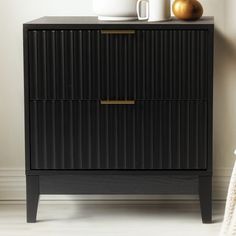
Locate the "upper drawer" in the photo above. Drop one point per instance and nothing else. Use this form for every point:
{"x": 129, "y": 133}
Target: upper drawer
{"x": 141, "y": 64}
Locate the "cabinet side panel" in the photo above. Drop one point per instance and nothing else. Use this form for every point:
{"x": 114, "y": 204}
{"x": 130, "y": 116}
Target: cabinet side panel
{"x": 210, "y": 41}
{"x": 26, "y": 97}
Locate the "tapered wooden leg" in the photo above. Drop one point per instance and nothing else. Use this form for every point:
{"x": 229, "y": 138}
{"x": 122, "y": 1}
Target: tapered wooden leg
{"x": 32, "y": 194}
{"x": 205, "y": 195}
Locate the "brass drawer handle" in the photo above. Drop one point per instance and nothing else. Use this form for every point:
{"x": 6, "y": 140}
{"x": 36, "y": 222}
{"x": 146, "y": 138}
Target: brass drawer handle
{"x": 118, "y": 31}
{"x": 117, "y": 102}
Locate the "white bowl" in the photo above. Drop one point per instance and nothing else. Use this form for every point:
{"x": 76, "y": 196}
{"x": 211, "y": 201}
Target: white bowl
{"x": 115, "y": 10}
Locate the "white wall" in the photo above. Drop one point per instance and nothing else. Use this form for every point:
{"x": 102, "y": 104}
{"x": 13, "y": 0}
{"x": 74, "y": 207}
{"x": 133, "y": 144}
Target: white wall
{"x": 13, "y": 13}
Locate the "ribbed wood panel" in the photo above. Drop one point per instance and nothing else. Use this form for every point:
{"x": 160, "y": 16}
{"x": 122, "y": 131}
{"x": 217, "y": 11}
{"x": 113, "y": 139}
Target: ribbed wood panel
{"x": 148, "y": 135}
{"x": 64, "y": 64}
{"x": 150, "y": 64}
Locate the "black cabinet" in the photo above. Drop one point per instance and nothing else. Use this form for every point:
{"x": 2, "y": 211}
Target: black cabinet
{"x": 124, "y": 104}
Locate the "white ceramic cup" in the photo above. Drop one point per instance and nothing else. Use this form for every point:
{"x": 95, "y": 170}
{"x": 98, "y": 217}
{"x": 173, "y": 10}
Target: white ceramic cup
{"x": 156, "y": 10}
{"x": 115, "y": 9}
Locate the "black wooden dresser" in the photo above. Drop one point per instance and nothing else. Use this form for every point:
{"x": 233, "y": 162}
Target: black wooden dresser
{"x": 118, "y": 108}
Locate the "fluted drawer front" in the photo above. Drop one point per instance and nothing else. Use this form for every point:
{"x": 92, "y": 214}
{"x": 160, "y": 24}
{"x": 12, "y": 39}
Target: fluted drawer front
{"x": 144, "y": 64}
{"x": 77, "y": 135}
{"x": 64, "y": 64}
{"x": 155, "y": 64}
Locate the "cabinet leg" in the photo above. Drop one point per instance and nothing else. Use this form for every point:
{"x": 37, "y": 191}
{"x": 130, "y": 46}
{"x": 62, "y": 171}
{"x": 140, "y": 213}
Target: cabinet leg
{"x": 205, "y": 195}
{"x": 32, "y": 195}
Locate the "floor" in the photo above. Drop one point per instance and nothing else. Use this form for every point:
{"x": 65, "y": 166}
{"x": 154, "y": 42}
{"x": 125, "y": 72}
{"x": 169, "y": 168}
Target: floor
{"x": 160, "y": 219}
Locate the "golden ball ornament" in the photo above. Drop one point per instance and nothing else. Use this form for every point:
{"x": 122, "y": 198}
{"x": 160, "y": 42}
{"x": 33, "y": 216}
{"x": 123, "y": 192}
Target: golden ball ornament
{"x": 187, "y": 9}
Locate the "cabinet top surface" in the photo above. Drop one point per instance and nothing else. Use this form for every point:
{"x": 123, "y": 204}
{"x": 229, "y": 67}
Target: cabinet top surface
{"x": 91, "y": 20}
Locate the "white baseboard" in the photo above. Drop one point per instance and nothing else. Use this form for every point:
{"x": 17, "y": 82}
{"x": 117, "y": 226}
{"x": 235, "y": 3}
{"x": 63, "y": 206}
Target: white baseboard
{"x": 12, "y": 188}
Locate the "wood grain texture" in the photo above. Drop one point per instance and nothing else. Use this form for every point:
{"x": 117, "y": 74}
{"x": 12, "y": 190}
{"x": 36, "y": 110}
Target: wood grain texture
{"x": 90, "y": 20}
{"x": 118, "y": 184}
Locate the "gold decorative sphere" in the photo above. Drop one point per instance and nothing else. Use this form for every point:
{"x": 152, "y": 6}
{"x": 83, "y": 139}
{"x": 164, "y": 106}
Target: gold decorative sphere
{"x": 187, "y": 9}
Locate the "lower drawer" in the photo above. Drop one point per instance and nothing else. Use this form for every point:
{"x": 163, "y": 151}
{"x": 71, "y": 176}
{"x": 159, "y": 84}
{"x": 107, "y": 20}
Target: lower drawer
{"x": 86, "y": 135}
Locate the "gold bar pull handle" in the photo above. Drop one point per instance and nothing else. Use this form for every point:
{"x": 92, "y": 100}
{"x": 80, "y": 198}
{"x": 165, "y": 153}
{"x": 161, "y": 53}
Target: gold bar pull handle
{"x": 117, "y": 31}
{"x": 117, "y": 102}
